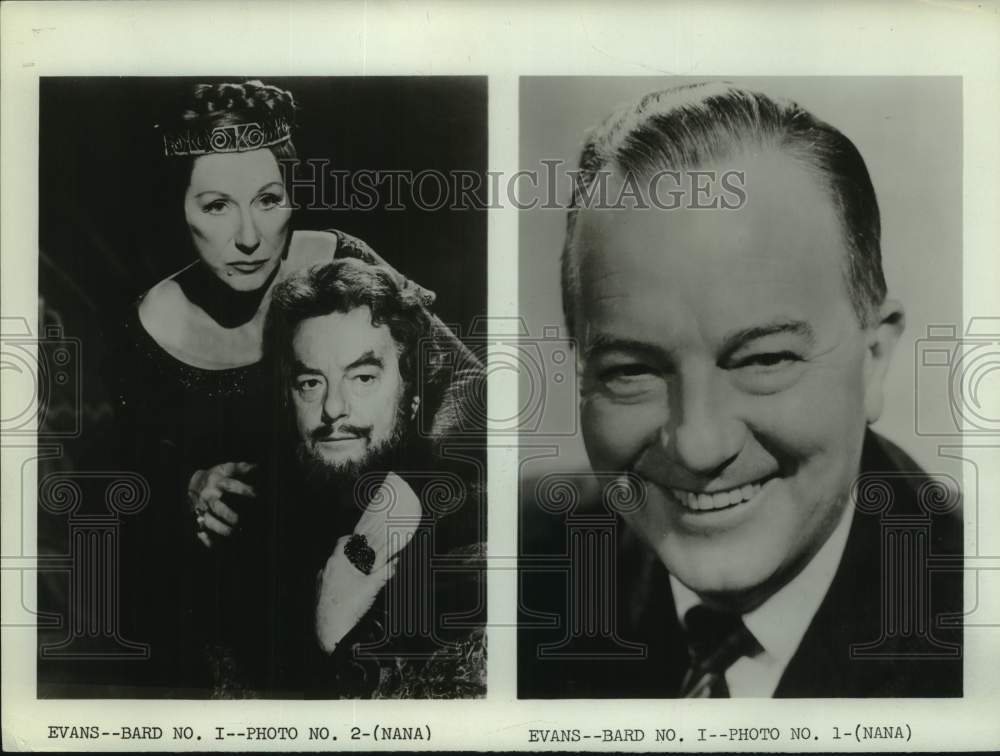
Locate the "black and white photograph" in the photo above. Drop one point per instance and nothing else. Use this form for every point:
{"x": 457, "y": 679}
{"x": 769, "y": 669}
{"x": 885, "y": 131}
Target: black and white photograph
{"x": 275, "y": 487}
{"x": 744, "y": 505}
{"x": 499, "y": 377}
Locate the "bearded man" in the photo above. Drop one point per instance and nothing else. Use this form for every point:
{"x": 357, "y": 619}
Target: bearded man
{"x": 377, "y": 531}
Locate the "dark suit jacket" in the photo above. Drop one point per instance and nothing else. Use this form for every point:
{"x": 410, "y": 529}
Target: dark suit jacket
{"x": 889, "y": 626}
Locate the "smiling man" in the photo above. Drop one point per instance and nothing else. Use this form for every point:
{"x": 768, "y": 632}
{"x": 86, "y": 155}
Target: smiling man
{"x": 731, "y": 360}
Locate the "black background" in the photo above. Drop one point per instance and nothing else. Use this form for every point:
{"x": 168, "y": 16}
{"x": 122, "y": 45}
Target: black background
{"x": 109, "y": 230}
{"x": 107, "y": 233}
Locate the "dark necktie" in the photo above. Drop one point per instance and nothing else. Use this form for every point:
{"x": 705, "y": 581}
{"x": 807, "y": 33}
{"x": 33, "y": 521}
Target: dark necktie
{"x": 715, "y": 640}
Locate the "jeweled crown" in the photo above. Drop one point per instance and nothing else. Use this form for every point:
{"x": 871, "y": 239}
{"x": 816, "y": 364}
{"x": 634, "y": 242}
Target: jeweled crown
{"x": 239, "y": 137}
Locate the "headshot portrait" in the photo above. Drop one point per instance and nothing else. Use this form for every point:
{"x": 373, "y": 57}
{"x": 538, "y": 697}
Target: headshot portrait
{"x": 738, "y": 500}
{"x": 271, "y": 477}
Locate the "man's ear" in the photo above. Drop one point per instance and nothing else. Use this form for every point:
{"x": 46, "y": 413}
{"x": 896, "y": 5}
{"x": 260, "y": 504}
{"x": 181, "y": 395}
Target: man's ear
{"x": 414, "y": 406}
{"x": 882, "y": 337}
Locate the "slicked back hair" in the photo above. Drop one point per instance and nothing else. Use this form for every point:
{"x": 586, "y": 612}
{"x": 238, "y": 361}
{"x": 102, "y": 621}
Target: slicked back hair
{"x": 696, "y": 125}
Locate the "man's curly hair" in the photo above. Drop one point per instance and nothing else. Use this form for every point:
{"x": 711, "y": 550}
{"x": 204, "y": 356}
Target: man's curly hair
{"x": 342, "y": 286}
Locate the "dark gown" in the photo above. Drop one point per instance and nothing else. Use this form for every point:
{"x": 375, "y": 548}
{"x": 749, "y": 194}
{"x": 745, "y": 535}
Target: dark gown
{"x": 189, "y": 603}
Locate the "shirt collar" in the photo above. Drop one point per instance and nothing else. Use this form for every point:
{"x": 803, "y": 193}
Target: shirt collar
{"x": 780, "y": 622}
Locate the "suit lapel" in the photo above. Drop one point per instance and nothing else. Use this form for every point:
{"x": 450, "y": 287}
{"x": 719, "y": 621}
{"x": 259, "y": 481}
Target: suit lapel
{"x": 649, "y": 617}
{"x": 848, "y": 614}
{"x": 852, "y": 613}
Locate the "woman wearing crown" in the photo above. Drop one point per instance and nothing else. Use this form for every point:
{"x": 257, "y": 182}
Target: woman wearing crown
{"x": 194, "y": 395}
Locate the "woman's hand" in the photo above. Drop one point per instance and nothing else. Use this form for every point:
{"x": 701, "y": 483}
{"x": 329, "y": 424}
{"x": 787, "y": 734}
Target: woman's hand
{"x": 362, "y": 563}
{"x": 205, "y": 490}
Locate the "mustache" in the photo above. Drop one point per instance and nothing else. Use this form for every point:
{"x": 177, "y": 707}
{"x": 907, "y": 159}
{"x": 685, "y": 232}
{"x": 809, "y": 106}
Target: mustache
{"x": 324, "y": 432}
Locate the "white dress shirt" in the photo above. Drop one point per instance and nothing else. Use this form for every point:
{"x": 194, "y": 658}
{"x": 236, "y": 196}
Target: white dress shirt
{"x": 780, "y": 622}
